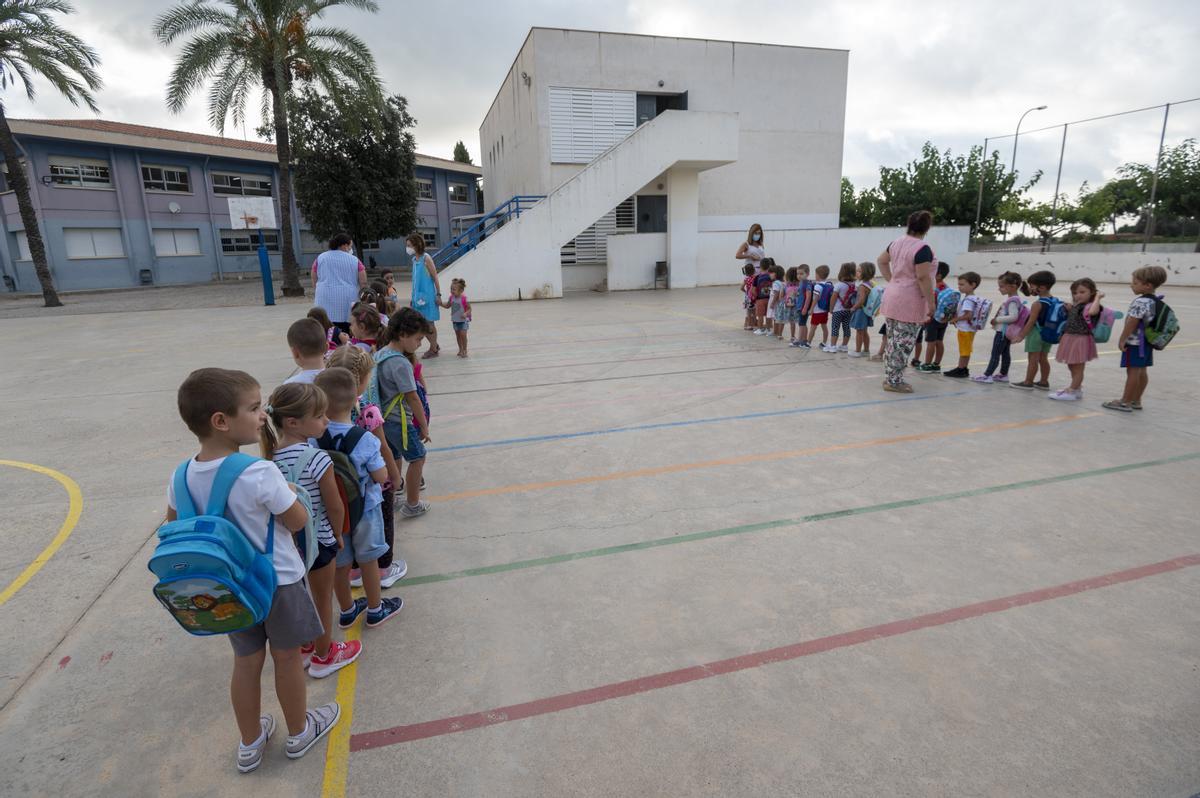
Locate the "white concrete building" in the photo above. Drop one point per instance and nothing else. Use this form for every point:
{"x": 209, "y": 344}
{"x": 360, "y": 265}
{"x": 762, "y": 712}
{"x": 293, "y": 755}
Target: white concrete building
{"x": 652, "y": 149}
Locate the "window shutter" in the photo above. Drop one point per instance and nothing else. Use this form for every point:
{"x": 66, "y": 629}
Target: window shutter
{"x": 586, "y": 122}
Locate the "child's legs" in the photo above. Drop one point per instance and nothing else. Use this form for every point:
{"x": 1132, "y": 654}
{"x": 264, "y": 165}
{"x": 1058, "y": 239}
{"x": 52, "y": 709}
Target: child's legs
{"x": 369, "y": 546}
{"x": 461, "y": 337}
{"x": 1044, "y": 361}
{"x": 1005, "y": 355}
{"x": 320, "y": 582}
{"x": 412, "y": 481}
{"x": 341, "y": 586}
{"x": 1031, "y": 367}
{"x": 245, "y": 693}
{"x": 1143, "y": 381}
{"x": 370, "y": 579}
{"x": 1136, "y": 380}
{"x": 388, "y": 510}
{"x": 1076, "y": 370}
{"x": 290, "y": 687}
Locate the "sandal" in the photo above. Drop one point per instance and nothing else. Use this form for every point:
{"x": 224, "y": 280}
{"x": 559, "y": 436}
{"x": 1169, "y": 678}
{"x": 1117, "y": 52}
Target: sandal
{"x": 431, "y": 353}
{"x": 1117, "y": 404}
{"x": 902, "y": 387}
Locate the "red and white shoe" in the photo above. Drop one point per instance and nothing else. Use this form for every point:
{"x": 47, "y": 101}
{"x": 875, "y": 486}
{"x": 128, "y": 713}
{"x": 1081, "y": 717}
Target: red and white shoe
{"x": 355, "y": 577}
{"x": 340, "y": 655}
{"x": 306, "y": 653}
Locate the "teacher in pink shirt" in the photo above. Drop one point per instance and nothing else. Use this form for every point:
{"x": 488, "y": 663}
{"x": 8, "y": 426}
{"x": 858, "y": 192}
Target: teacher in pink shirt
{"x": 907, "y": 264}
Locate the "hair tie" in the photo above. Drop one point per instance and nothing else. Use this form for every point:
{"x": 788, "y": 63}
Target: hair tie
{"x": 270, "y": 410}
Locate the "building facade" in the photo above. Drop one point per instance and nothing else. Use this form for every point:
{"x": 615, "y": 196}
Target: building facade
{"x": 125, "y": 205}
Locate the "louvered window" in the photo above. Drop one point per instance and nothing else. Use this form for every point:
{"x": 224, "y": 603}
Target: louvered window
{"x": 586, "y": 122}
{"x": 591, "y": 246}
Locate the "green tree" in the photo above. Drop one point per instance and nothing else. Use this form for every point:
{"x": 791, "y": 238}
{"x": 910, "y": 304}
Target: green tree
{"x": 460, "y": 153}
{"x": 1052, "y": 219}
{"x": 861, "y": 209}
{"x": 354, "y": 167}
{"x": 1117, "y": 198}
{"x": 240, "y": 45}
{"x": 1178, "y": 191}
{"x": 32, "y": 43}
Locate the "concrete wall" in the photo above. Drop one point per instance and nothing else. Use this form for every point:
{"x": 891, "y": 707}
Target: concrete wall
{"x": 1115, "y": 267}
{"x": 631, "y": 260}
{"x": 583, "y": 277}
{"x": 791, "y": 101}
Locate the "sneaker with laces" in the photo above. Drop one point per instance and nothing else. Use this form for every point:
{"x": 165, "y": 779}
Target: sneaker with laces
{"x": 957, "y": 373}
{"x": 388, "y": 608}
{"x": 843, "y": 348}
{"x": 413, "y": 510}
{"x": 340, "y": 655}
{"x": 317, "y": 723}
{"x": 1065, "y": 395}
{"x": 393, "y": 573}
{"x": 355, "y": 577}
{"x": 249, "y": 757}
{"x": 1000, "y": 378}
{"x": 351, "y": 615}
{"x": 983, "y": 378}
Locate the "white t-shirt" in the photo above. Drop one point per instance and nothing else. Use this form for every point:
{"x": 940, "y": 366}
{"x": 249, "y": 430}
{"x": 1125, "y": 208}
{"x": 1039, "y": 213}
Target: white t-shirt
{"x": 966, "y": 304}
{"x": 306, "y": 376}
{"x": 259, "y": 493}
{"x": 310, "y": 480}
{"x": 841, "y": 289}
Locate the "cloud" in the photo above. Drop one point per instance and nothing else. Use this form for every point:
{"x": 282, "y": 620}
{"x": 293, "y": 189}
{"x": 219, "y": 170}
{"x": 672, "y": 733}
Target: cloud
{"x": 946, "y": 71}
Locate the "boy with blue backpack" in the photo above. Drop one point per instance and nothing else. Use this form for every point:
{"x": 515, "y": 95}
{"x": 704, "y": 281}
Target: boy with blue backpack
{"x": 224, "y": 570}
{"x": 934, "y": 332}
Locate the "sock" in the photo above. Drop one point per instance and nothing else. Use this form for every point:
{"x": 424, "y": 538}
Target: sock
{"x": 376, "y": 610}
{"x": 262, "y": 739}
{"x": 304, "y": 732}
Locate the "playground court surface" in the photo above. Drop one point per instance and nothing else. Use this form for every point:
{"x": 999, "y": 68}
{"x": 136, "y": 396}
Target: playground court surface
{"x": 665, "y": 557}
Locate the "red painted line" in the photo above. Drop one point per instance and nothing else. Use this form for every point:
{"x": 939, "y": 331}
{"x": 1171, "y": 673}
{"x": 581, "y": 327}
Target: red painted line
{"x": 644, "y": 684}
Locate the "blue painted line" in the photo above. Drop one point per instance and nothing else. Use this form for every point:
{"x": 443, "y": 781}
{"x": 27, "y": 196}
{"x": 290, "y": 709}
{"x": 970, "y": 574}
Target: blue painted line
{"x": 670, "y": 424}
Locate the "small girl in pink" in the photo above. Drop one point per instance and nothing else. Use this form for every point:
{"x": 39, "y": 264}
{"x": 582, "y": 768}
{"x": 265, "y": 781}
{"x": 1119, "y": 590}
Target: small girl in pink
{"x": 1077, "y": 345}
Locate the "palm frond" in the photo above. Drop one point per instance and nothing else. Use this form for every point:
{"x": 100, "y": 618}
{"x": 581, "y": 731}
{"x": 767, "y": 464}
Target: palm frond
{"x": 190, "y": 17}
{"x": 33, "y": 43}
{"x": 200, "y": 59}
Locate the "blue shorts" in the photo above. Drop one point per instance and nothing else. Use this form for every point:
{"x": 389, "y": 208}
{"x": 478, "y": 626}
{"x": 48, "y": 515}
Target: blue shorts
{"x": 860, "y": 320}
{"x": 395, "y": 439}
{"x": 462, "y": 326}
{"x": 366, "y": 543}
{"x": 1134, "y": 358}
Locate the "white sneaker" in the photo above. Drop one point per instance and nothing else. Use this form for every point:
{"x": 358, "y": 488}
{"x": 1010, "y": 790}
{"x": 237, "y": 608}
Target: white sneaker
{"x": 420, "y": 508}
{"x": 854, "y": 354}
{"x": 1066, "y": 395}
{"x": 250, "y": 757}
{"x": 318, "y": 722}
{"x": 393, "y": 573}
{"x": 355, "y": 577}
{"x": 760, "y": 332}
{"x": 842, "y": 348}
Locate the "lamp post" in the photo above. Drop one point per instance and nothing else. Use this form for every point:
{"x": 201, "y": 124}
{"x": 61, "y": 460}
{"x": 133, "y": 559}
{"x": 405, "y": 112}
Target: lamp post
{"x": 1013, "y": 166}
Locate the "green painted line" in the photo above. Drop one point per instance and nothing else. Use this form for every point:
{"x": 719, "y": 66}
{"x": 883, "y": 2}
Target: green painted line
{"x": 521, "y": 565}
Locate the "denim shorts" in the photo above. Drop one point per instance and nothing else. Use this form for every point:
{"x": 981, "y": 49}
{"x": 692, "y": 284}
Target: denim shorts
{"x": 366, "y": 542}
{"x": 1134, "y": 358}
{"x": 415, "y": 450}
{"x": 461, "y": 326}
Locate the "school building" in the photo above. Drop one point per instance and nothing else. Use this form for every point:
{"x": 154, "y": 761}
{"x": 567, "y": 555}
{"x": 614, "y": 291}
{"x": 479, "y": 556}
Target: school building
{"x": 126, "y": 205}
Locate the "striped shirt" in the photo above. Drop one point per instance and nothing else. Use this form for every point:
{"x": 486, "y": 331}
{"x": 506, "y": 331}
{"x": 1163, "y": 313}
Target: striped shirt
{"x": 310, "y": 480}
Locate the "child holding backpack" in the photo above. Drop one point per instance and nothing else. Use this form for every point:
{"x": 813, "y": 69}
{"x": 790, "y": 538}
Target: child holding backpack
{"x": 748, "y": 296}
{"x": 1008, "y": 313}
{"x": 394, "y": 388}
{"x": 843, "y": 300}
{"x": 1149, "y": 324}
{"x": 934, "y": 332}
{"x": 295, "y": 413}
{"x": 224, "y": 410}
{"x": 776, "y": 309}
{"x": 822, "y": 293}
{"x": 860, "y": 315}
{"x": 1077, "y": 345}
{"x": 797, "y": 296}
{"x": 1042, "y": 331}
{"x": 969, "y": 317}
{"x": 361, "y": 468}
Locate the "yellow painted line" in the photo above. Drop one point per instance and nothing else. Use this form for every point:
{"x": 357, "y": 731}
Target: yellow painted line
{"x": 337, "y": 751}
{"x": 753, "y": 458}
{"x": 68, "y": 525}
{"x": 1105, "y": 352}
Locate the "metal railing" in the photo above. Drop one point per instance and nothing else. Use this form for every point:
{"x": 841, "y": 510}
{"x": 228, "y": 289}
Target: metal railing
{"x": 489, "y": 223}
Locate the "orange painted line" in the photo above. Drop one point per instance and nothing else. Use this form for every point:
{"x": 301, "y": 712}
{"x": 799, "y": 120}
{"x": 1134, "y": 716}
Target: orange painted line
{"x": 753, "y": 458}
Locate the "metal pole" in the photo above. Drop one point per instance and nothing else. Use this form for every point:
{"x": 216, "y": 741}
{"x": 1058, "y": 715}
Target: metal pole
{"x": 1154, "y": 185}
{"x": 979, "y": 200}
{"x": 1057, "y": 181}
{"x": 1016, "y": 136}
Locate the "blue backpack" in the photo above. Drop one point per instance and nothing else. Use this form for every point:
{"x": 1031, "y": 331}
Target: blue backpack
{"x": 874, "y": 300}
{"x": 947, "y": 305}
{"x": 824, "y": 293}
{"x": 1053, "y": 319}
{"x": 211, "y": 578}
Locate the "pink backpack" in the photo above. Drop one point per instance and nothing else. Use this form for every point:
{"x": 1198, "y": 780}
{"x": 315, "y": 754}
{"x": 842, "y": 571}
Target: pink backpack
{"x": 1015, "y": 327}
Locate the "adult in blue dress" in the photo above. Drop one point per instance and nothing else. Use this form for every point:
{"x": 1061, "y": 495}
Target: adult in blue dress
{"x": 426, "y": 291}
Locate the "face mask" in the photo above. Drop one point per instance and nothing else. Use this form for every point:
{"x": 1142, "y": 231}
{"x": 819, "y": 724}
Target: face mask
{"x": 758, "y": 236}
{"x": 410, "y": 251}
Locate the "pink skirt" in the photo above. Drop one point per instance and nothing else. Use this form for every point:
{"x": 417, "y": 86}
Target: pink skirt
{"x": 1074, "y": 348}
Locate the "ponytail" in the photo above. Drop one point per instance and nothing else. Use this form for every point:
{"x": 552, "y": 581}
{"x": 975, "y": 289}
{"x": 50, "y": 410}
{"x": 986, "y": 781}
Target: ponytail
{"x": 290, "y": 400}
{"x": 1012, "y": 278}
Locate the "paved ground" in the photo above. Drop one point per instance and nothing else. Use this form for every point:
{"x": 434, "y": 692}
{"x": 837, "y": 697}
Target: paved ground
{"x": 665, "y": 558}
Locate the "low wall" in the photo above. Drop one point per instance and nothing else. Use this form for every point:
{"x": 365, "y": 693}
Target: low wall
{"x": 583, "y": 277}
{"x": 1106, "y": 267}
{"x": 631, "y": 259}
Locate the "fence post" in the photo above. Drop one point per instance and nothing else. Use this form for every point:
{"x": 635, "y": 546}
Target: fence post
{"x": 1154, "y": 185}
{"x": 1057, "y": 181}
{"x": 979, "y": 200}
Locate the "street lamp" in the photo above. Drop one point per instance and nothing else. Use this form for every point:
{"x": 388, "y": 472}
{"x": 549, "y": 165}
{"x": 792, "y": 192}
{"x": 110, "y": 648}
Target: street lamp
{"x": 1013, "y": 166}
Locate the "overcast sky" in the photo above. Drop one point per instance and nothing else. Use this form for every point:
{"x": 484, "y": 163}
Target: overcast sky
{"x": 956, "y": 73}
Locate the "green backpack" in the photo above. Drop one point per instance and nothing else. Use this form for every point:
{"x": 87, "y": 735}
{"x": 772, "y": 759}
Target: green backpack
{"x": 1163, "y": 327}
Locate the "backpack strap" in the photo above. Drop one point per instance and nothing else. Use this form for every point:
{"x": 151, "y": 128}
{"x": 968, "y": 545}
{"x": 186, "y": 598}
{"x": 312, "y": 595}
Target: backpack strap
{"x": 185, "y": 507}
{"x": 227, "y": 477}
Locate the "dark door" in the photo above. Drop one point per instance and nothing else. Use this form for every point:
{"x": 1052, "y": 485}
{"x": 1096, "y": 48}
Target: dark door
{"x": 652, "y": 214}
{"x": 647, "y": 108}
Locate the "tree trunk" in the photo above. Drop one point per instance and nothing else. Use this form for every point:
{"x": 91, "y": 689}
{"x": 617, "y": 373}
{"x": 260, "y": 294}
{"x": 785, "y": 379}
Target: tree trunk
{"x": 291, "y": 269}
{"x": 19, "y": 183}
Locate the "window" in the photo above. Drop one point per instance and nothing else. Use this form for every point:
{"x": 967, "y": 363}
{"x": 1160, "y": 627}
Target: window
{"x": 430, "y": 237}
{"x": 245, "y": 242}
{"x": 369, "y": 245}
{"x": 84, "y": 243}
{"x": 586, "y": 122}
{"x": 166, "y": 178}
{"x": 169, "y": 243}
{"x": 241, "y": 185}
{"x": 591, "y": 246}
{"x": 459, "y": 192}
{"x": 23, "y": 246}
{"x": 424, "y": 188}
{"x": 79, "y": 172}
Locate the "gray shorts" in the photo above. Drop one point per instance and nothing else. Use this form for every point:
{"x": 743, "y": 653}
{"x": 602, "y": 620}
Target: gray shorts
{"x": 292, "y": 622}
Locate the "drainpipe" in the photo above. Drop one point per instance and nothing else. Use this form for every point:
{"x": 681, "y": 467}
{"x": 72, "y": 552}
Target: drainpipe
{"x": 137, "y": 158}
{"x": 125, "y": 240}
{"x": 216, "y": 239}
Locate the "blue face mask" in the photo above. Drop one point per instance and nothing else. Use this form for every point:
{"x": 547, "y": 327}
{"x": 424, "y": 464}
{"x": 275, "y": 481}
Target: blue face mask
{"x": 757, "y": 237}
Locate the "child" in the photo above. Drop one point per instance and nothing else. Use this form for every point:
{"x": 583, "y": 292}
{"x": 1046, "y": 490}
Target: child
{"x": 822, "y": 293}
{"x": 378, "y": 298}
{"x": 368, "y": 416}
{"x": 748, "y": 296}
{"x": 1041, "y": 284}
{"x": 934, "y": 331}
{"x": 1077, "y": 345}
{"x": 778, "y": 309}
{"x": 391, "y": 295}
{"x": 333, "y": 335}
{"x": 365, "y": 326}
{"x": 798, "y": 315}
{"x": 860, "y": 322}
{"x": 1007, "y": 312}
{"x": 223, "y": 409}
{"x": 405, "y": 424}
{"x": 1136, "y": 354}
{"x": 762, "y": 293}
{"x": 296, "y": 413}
{"x": 793, "y": 302}
{"x": 843, "y": 291}
{"x": 309, "y": 344}
{"x": 967, "y": 302}
{"x": 366, "y": 539}
{"x": 460, "y": 313}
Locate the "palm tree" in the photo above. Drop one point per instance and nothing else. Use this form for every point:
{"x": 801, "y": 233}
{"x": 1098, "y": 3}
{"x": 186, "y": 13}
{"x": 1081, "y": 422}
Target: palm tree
{"x": 31, "y": 42}
{"x": 241, "y": 45}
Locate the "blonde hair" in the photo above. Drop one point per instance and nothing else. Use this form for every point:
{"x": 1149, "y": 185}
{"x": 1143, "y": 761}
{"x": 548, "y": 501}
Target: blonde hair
{"x": 353, "y": 359}
{"x": 1151, "y": 275}
{"x": 291, "y": 400}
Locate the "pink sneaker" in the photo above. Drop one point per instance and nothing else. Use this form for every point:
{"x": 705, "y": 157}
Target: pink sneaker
{"x": 340, "y": 655}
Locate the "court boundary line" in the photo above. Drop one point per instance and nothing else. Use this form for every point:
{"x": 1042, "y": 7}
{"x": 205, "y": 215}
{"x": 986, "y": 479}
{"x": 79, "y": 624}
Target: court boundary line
{"x": 74, "y": 511}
